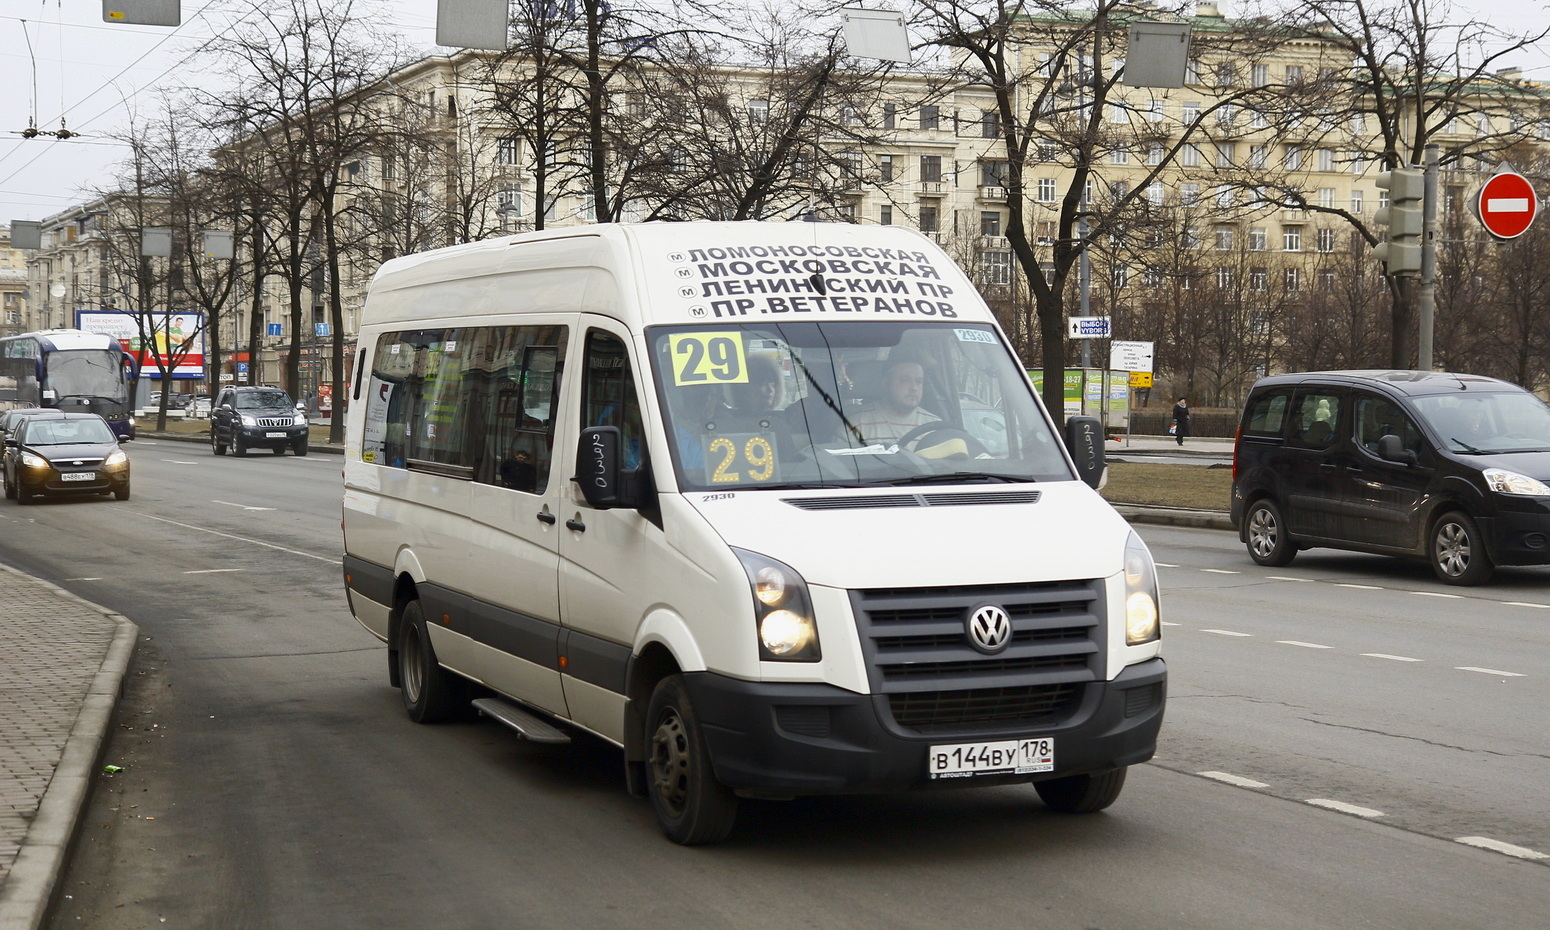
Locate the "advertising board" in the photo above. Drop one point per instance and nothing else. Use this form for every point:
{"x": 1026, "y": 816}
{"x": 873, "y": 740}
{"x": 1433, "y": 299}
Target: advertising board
{"x": 165, "y": 335}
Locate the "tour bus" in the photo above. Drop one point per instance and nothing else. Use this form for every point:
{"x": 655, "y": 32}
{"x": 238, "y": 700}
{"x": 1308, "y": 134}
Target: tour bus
{"x": 70, "y": 369}
{"x": 772, "y": 507}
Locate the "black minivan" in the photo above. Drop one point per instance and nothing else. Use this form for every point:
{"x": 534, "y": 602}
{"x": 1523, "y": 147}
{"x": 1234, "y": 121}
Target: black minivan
{"x": 1453, "y": 468}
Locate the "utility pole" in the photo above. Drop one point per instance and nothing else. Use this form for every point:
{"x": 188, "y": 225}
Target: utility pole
{"x": 1428, "y": 294}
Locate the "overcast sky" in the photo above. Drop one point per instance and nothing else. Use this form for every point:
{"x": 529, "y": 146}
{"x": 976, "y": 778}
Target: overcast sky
{"x": 88, "y": 70}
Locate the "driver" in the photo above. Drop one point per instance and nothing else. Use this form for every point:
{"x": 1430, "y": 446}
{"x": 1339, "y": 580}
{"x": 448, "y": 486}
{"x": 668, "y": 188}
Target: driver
{"x": 898, "y": 410}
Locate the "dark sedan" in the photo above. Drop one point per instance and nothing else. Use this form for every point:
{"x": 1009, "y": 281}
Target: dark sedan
{"x": 76, "y": 453}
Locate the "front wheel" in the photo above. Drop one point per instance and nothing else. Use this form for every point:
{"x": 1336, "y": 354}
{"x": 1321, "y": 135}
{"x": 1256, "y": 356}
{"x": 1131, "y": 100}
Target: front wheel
{"x": 1081, "y": 794}
{"x": 122, "y": 493}
{"x": 300, "y": 448}
{"x": 1457, "y": 550}
{"x": 10, "y": 492}
{"x": 216, "y": 446}
{"x": 238, "y": 447}
{"x": 1266, "y": 536}
{"x": 431, "y": 693}
{"x": 692, "y": 807}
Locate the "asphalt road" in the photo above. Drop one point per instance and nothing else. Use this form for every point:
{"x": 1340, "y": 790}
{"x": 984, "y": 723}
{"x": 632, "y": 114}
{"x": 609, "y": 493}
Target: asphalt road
{"x": 271, "y": 779}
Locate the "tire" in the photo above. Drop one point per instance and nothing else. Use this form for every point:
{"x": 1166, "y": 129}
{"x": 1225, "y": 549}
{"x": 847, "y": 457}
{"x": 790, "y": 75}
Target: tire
{"x": 431, "y": 693}
{"x": 23, "y": 496}
{"x": 278, "y": 450}
{"x": 1081, "y": 794}
{"x": 299, "y": 448}
{"x": 237, "y": 446}
{"x": 1456, "y": 550}
{"x": 122, "y": 493}
{"x": 1265, "y": 534}
{"x": 10, "y": 492}
{"x": 216, "y": 446}
{"x": 691, "y": 806}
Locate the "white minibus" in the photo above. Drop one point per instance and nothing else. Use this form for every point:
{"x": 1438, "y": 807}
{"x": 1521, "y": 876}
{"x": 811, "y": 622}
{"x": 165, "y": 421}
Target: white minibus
{"x": 772, "y": 507}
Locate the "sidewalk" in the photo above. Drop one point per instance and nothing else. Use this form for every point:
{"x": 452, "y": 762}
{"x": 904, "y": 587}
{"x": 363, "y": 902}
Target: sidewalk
{"x": 63, "y": 663}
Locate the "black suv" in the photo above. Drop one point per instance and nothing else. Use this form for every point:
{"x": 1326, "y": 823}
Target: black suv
{"x": 243, "y": 418}
{"x": 1452, "y": 468}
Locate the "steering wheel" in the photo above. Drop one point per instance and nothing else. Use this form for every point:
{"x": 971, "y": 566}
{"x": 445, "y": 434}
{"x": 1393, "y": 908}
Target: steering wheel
{"x": 974, "y": 446}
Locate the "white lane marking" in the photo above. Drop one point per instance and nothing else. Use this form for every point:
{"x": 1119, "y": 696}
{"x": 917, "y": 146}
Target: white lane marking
{"x": 1165, "y": 565}
{"x": 1382, "y": 655}
{"x": 212, "y": 571}
{"x": 1345, "y": 808}
{"x": 83, "y": 579}
{"x": 1498, "y": 846}
{"x": 179, "y": 462}
{"x": 1526, "y": 604}
{"x": 256, "y": 542}
{"x": 1286, "y": 578}
{"x": 1169, "y": 623}
{"x": 243, "y": 506}
{"x": 1293, "y": 642}
{"x": 1226, "y": 633}
{"x": 1489, "y": 671}
{"x": 1220, "y": 571}
{"x": 1359, "y": 587}
{"x": 1230, "y": 779}
{"x": 1435, "y": 594}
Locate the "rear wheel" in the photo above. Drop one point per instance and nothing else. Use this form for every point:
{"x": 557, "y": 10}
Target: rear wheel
{"x": 1266, "y": 536}
{"x": 1457, "y": 551}
{"x": 1081, "y": 794}
{"x": 431, "y": 693}
{"x": 692, "y": 807}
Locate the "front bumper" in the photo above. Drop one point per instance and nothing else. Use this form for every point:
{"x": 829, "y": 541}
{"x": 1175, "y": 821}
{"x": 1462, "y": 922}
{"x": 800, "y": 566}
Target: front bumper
{"x": 1519, "y": 533}
{"x": 272, "y": 437}
{"x": 50, "y": 482}
{"x": 819, "y": 739}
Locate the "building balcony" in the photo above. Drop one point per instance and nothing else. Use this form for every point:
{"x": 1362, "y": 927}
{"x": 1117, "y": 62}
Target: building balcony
{"x": 932, "y": 188}
{"x": 991, "y": 193}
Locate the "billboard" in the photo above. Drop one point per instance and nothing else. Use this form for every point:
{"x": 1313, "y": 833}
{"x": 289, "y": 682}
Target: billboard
{"x": 171, "y": 330}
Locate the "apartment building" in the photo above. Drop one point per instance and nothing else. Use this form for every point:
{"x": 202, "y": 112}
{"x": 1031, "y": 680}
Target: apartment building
{"x": 13, "y": 287}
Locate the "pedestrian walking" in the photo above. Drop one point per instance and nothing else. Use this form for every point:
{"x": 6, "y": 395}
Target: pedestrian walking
{"x": 1181, "y": 420}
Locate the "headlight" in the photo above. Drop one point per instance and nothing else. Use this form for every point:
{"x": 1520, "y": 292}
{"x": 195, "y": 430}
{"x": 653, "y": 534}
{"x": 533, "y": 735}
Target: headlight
{"x": 301, "y": 419}
{"x": 34, "y": 461}
{"x": 116, "y": 459}
{"x": 131, "y": 422}
{"x": 1510, "y": 482}
{"x": 783, "y": 611}
{"x": 1142, "y": 623}
{"x": 248, "y": 421}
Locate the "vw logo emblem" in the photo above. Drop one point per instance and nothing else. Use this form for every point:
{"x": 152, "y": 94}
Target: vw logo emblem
{"x": 989, "y": 629}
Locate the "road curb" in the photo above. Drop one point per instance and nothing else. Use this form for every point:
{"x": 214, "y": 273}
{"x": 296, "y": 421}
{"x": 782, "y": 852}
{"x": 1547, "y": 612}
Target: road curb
{"x": 1176, "y": 516}
{"x": 205, "y": 439}
{"x": 30, "y": 885}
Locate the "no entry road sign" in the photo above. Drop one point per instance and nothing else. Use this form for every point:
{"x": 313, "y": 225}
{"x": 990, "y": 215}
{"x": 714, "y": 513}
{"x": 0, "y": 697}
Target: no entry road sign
{"x": 1506, "y": 205}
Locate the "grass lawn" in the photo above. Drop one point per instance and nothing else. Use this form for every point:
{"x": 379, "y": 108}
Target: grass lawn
{"x": 1197, "y": 487}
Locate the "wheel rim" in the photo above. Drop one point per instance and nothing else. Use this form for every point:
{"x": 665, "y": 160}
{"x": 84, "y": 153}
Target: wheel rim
{"x": 670, "y": 761}
{"x": 411, "y": 665}
{"x": 1262, "y": 532}
{"x": 1453, "y": 549}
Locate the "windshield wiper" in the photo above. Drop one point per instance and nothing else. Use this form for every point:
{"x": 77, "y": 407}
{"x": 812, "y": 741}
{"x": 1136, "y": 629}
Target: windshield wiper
{"x": 961, "y": 477}
{"x": 1467, "y": 447}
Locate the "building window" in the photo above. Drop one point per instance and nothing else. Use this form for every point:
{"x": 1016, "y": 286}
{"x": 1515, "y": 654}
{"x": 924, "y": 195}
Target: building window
{"x": 928, "y": 219}
{"x": 1121, "y": 276}
{"x": 993, "y": 173}
{"x": 1120, "y": 156}
{"x": 1155, "y": 112}
{"x": 1191, "y": 156}
{"x": 1224, "y": 154}
{"x": 1227, "y": 74}
{"x": 508, "y": 150}
{"x": 990, "y": 223}
{"x": 1291, "y": 238}
{"x": 1046, "y": 190}
{"x": 1191, "y": 238}
{"x": 1257, "y": 119}
{"x": 1294, "y": 279}
{"x": 1258, "y": 279}
{"x": 885, "y": 214}
{"x": 1260, "y": 75}
{"x": 885, "y": 168}
{"x": 1154, "y": 154}
{"x": 1189, "y": 194}
{"x": 1191, "y": 113}
{"x": 1155, "y": 192}
{"x": 1293, "y": 157}
{"x": 1118, "y": 190}
{"x": 1327, "y": 197}
{"x": 1356, "y": 202}
{"x": 990, "y": 124}
{"x": 931, "y": 168}
{"x": 890, "y": 114}
{"x": 1224, "y": 196}
{"x": 1257, "y": 157}
{"x": 930, "y": 116}
{"x": 1327, "y": 281}
{"x": 998, "y": 268}
{"x": 1117, "y": 113}
{"x": 1326, "y": 159}
{"x": 1152, "y": 276}
{"x": 1224, "y": 279}
{"x": 1294, "y": 74}
{"x": 758, "y": 110}
{"x": 1326, "y": 240}
{"x": 1224, "y": 238}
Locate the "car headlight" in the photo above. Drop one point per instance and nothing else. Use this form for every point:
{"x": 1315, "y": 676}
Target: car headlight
{"x": 1510, "y": 482}
{"x": 1142, "y": 621}
{"x": 33, "y": 461}
{"x": 248, "y": 421}
{"x": 300, "y": 420}
{"x": 116, "y": 459}
{"x": 783, "y": 611}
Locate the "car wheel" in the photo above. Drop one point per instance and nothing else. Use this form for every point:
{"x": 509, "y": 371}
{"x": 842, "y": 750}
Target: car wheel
{"x": 300, "y": 448}
{"x": 122, "y": 493}
{"x": 1457, "y": 550}
{"x": 216, "y": 446}
{"x": 238, "y": 447}
{"x": 1265, "y": 534}
{"x": 1081, "y": 794}
{"x": 23, "y": 496}
{"x": 278, "y": 450}
{"x": 691, "y": 806}
{"x": 10, "y": 492}
{"x": 431, "y": 693}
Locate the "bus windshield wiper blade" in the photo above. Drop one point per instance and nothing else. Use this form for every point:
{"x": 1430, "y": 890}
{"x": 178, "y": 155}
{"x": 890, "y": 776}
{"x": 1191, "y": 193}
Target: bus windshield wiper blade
{"x": 961, "y": 477}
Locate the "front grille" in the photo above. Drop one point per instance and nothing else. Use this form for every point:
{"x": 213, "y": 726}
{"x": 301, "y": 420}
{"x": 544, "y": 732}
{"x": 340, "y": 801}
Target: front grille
{"x": 919, "y": 654}
{"x": 74, "y": 464}
{"x": 941, "y": 499}
{"x": 274, "y": 421}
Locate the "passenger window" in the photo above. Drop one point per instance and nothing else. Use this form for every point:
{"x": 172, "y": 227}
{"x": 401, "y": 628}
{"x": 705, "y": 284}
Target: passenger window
{"x": 1267, "y": 414}
{"x": 477, "y": 399}
{"x": 1377, "y": 417}
{"x": 608, "y": 394}
{"x": 1315, "y": 418}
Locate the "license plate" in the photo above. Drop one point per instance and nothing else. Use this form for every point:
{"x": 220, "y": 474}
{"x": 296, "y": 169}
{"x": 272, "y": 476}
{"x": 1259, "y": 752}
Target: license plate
{"x": 274, "y": 435}
{"x": 78, "y": 476}
{"x": 1012, "y": 756}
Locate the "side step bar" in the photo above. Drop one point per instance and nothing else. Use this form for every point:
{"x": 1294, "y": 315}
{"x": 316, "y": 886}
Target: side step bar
{"x": 526, "y": 725}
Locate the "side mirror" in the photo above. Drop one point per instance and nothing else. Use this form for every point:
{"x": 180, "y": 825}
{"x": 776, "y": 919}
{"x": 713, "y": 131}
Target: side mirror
{"x": 10, "y": 442}
{"x": 1390, "y": 449}
{"x": 300, "y": 405}
{"x": 605, "y": 484}
{"x": 1084, "y": 440}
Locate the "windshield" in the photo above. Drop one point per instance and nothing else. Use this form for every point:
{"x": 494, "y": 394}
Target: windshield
{"x": 255, "y": 400}
{"x": 61, "y": 432}
{"x": 96, "y": 373}
{"x": 848, "y": 405}
{"x": 1478, "y": 423}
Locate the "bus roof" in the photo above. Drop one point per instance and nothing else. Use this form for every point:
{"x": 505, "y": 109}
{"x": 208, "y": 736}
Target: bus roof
{"x": 56, "y": 340}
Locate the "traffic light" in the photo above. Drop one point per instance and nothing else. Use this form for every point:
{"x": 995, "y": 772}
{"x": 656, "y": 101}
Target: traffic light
{"x": 1401, "y": 254}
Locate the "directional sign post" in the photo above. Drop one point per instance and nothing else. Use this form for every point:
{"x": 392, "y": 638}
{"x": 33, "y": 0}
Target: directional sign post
{"x": 1506, "y": 205}
{"x": 1087, "y": 327}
